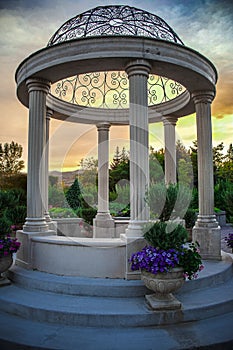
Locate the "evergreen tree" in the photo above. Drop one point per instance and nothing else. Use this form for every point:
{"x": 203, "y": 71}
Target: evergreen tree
{"x": 225, "y": 170}
{"x": 156, "y": 165}
{"x": 229, "y": 156}
{"x": 218, "y": 158}
{"x": 181, "y": 152}
{"x": 74, "y": 196}
{"x": 119, "y": 169}
{"x": 10, "y": 155}
{"x": 184, "y": 164}
{"x": 193, "y": 155}
{"x": 116, "y": 159}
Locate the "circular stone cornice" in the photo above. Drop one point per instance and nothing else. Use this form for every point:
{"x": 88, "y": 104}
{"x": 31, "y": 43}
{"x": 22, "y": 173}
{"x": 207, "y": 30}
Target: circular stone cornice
{"x": 167, "y": 59}
{"x": 63, "y": 110}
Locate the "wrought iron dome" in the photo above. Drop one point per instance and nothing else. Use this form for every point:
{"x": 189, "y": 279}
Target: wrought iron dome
{"x": 115, "y": 20}
{"x": 110, "y": 89}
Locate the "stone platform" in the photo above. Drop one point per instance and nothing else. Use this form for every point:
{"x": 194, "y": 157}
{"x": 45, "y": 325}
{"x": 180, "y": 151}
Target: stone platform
{"x": 45, "y": 311}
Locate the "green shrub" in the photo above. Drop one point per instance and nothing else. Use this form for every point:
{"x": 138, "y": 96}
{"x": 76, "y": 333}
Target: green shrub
{"x": 112, "y": 196}
{"x": 16, "y": 215}
{"x": 165, "y": 235}
{"x": 168, "y": 202}
{"x": 190, "y": 218}
{"x": 123, "y": 194}
{"x": 223, "y": 197}
{"x": 56, "y": 196}
{"x": 88, "y": 214}
{"x": 62, "y": 213}
{"x": 5, "y": 226}
{"x": 194, "y": 199}
{"x": 156, "y": 197}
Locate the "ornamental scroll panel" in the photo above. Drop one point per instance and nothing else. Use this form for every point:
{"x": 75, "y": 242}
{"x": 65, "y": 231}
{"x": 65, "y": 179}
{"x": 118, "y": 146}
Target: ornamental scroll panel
{"x": 111, "y": 90}
{"x": 115, "y": 20}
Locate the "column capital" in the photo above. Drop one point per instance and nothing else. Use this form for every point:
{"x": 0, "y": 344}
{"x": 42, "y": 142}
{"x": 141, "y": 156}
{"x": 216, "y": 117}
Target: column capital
{"x": 169, "y": 120}
{"x": 49, "y": 113}
{"x": 204, "y": 96}
{"x": 103, "y": 126}
{"x": 38, "y": 84}
{"x": 138, "y": 67}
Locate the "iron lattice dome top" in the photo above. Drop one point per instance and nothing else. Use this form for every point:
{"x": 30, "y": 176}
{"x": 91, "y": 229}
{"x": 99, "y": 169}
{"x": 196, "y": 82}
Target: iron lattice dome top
{"x": 114, "y": 20}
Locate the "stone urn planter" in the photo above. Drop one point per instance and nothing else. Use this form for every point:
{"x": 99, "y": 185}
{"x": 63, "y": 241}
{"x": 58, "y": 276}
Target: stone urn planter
{"x": 163, "y": 285}
{"x": 5, "y": 264}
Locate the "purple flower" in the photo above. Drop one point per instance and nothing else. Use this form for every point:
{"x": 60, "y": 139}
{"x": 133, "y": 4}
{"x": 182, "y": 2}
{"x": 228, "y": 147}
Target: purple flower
{"x": 8, "y": 245}
{"x": 154, "y": 260}
{"x": 229, "y": 240}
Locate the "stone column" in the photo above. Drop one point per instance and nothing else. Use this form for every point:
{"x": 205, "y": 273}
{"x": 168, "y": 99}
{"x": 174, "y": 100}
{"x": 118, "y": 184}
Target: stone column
{"x": 103, "y": 222}
{"x": 169, "y": 123}
{"x": 206, "y": 230}
{"x": 35, "y": 221}
{"x": 52, "y": 224}
{"x": 49, "y": 113}
{"x": 138, "y": 72}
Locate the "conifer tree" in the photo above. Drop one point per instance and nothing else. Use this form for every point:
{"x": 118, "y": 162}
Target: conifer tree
{"x": 74, "y": 196}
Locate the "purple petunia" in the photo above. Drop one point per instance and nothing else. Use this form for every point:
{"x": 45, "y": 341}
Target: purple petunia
{"x": 229, "y": 240}
{"x": 8, "y": 245}
{"x": 154, "y": 260}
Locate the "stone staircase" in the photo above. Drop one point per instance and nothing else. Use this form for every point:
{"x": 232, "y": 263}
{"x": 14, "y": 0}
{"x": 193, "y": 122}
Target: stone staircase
{"x": 45, "y": 311}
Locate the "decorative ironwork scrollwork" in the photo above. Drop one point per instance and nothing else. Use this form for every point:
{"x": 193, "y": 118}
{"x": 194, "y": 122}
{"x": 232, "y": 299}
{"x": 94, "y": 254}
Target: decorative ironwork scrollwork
{"x": 111, "y": 89}
{"x": 115, "y": 20}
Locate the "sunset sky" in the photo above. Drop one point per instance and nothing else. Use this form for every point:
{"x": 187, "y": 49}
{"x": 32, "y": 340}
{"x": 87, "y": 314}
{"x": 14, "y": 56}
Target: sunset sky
{"x": 26, "y": 26}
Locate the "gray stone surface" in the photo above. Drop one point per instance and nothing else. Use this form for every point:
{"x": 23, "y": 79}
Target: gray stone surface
{"x": 214, "y": 334}
{"x": 63, "y": 318}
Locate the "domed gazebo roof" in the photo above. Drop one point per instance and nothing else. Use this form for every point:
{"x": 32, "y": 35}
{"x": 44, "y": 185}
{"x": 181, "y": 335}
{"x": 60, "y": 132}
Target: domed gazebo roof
{"x": 85, "y": 62}
{"x": 115, "y": 20}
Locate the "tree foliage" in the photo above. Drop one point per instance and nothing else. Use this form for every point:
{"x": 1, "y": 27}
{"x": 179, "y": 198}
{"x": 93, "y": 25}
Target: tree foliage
{"x": 12, "y": 209}
{"x": 10, "y": 155}
{"x": 88, "y": 172}
{"x": 156, "y": 165}
{"x": 119, "y": 169}
{"x": 165, "y": 201}
{"x": 73, "y": 195}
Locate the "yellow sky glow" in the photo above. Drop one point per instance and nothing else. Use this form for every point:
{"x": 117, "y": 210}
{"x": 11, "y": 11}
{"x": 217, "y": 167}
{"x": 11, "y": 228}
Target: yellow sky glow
{"x": 206, "y": 27}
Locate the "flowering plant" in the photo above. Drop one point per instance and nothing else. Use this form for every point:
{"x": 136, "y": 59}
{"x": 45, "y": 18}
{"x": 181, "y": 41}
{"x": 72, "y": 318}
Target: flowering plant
{"x": 8, "y": 245}
{"x": 167, "y": 251}
{"x": 229, "y": 240}
{"x": 154, "y": 260}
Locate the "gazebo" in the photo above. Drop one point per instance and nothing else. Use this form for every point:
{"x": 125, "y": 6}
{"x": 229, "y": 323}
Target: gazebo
{"x": 104, "y": 67}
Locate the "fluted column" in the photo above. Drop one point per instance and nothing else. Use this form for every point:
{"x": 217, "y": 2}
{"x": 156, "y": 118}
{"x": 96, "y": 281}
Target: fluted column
{"x": 103, "y": 223}
{"x": 169, "y": 123}
{"x": 35, "y": 221}
{"x": 138, "y": 72}
{"x": 49, "y": 113}
{"x": 206, "y": 230}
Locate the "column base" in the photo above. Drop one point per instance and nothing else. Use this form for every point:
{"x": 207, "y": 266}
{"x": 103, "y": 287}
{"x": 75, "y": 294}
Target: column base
{"x": 35, "y": 225}
{"x": 206, "y": 221}
{"x": 103, "y": 226}
{"x": 135, "y": 228}
{"x": 207, "y": 233}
